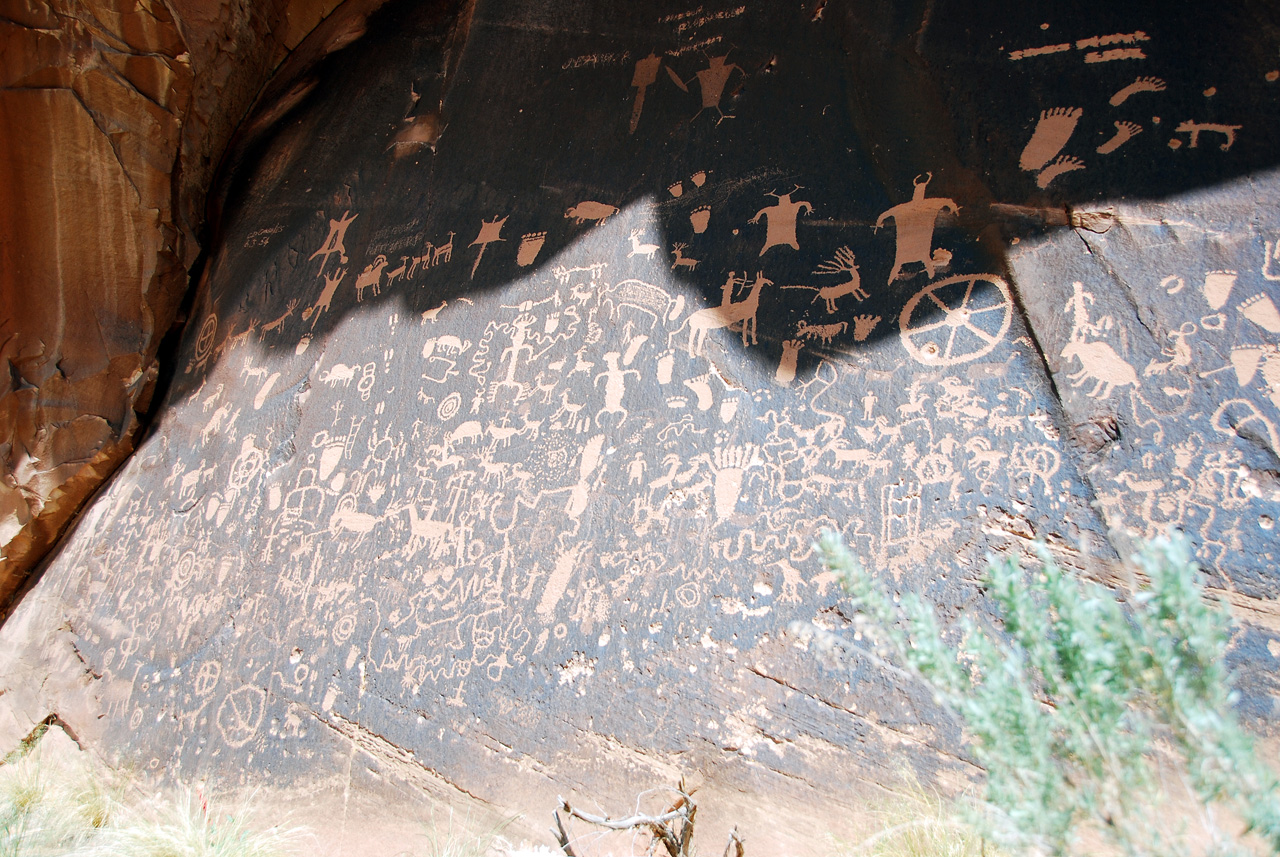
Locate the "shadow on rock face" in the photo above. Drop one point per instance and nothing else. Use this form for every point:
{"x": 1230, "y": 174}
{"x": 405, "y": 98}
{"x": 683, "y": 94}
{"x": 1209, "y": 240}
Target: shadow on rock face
{"x": 529, "y": 362}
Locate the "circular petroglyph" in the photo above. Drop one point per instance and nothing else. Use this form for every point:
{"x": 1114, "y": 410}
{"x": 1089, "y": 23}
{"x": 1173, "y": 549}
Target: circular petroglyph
{"x": 240, "y": 715}
{"x": 976, "y": 312}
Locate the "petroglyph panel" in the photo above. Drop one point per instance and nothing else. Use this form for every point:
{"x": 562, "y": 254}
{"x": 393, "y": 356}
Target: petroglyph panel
{"x": 514, "y": 447}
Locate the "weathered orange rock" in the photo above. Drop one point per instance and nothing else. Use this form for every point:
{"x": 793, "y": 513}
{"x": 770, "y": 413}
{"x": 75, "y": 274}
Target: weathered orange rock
{"x": 115, "y": 115}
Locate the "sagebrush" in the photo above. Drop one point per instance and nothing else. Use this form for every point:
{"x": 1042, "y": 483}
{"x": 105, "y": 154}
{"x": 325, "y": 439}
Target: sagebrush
{"x": 1088, "y": 707}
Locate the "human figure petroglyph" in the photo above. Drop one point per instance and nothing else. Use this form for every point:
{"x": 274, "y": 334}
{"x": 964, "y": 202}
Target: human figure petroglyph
{"x": 614, "y": 387}
{"x": 520, "y": 344}
{"x": 1179, "y": 353}
{"x": 1195, "y": 129}
{"x": 638, "y": 249}
{"x": 915, "y": 221}
{"x": 334, "y": 242}
{"x": 331, "y": 283}
{"x": 1099, "y": 362}
{"x": 646, "y": 74}
{"x": 370, "y": 276}
{"x": 780, "y": 220}
{"x": 711, "y": 82}
{"x": 714, "y": 318}
{"x": 636, "y": 469}
{"x": 1078, "y": 305}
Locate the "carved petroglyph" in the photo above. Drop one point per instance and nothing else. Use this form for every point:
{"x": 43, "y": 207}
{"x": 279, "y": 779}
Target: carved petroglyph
{"x": 370, "y": 276}
{"x": 711, "y": 84}
{"x": 334, "y": 241}
{"x": 490, "y": 231}
{"x": 590, "y": 210}
{"x": 638, "y": 249}
{"x": 780, "y": 220}
{"x": 1141, "y": 84}
{"x": 646, "y": 74}
{"x": 914, "y": 222}
{"x": 681, "y": 260}
{"x": 1195, "y": 129}
{"x": 726, "y": 315}
{"x": 977, "y": 311}
{"x": 1052, "y": 131}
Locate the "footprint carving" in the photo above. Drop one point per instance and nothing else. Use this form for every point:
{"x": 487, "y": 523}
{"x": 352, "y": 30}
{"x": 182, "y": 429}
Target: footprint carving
{"x": 1142, "y": 84}
{"x": 1125, "y": 131}
{"x": 1064, "y": 164}
{"x": 1055, "y": 127}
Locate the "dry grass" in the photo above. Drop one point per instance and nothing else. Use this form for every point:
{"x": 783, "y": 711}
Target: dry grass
{"x": 917, "y": 822}
{"x": 54, "y": 803}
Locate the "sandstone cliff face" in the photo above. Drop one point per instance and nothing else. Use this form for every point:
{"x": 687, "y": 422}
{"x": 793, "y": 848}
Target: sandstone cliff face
{"x": 115, "y": 115}
{"x": 536, "y": 345}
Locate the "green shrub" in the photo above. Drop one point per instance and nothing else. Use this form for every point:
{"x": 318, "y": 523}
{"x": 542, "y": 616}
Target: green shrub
{"x": 1087, "y": 709}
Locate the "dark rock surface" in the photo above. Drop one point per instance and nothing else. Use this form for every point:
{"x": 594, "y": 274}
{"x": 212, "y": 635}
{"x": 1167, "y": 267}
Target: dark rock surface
{"x": 539, "y": 342}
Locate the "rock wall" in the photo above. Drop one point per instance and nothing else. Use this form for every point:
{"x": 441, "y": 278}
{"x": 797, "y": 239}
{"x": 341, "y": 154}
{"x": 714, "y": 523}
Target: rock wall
{"x": 118, "y": 114}
{"x": 513, "y": 397}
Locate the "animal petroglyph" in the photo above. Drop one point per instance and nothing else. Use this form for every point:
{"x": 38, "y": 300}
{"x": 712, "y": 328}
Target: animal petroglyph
{"x": 331, "y": 283}
{"x": 726, "y": 315}
{"x": 638, "y": 249}
{"x": 682, "y": 261}
{"x": 1099, "y": 363}
{"x": 589, "y": 210}
{"x": 823, "y": 332}
{"x": 370, "y": 276}
{"x": 844, "y": 264}
{"x": 1195, "y": 129}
